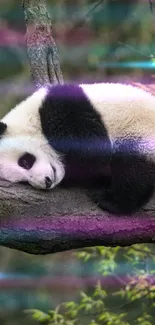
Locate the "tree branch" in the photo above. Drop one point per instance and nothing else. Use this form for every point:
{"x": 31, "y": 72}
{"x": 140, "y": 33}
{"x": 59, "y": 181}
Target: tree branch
{"x": 41, "y": 222}
{"x": 42, "y": 51}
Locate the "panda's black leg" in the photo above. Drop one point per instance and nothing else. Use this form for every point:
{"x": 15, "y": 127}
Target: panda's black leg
{"x": 132, "y": 185}
{"x": 116, "y": 202}
{"x": 102, "y": 200}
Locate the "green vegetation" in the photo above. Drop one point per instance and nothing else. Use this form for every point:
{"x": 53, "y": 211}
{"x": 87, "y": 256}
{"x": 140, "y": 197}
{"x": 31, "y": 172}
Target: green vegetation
{"x": 132, "y": 303}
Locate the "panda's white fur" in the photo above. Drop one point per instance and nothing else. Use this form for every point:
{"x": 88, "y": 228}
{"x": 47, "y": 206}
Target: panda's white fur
{"x": 123, "y": 108}
{"x": 125, "y": 111}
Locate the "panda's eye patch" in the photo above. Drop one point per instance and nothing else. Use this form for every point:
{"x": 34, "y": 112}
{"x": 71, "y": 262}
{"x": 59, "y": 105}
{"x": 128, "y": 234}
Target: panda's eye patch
{"x": 27, "y": 160}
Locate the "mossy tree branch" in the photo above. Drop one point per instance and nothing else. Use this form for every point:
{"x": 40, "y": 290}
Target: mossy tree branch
{"x": 41, "y": 222}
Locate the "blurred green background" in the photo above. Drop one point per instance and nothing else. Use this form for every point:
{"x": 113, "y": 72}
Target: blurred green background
{"x": 114, "y": 41}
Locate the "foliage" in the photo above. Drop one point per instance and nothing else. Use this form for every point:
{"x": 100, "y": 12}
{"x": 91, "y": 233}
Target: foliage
{"x": 131, "y": 304}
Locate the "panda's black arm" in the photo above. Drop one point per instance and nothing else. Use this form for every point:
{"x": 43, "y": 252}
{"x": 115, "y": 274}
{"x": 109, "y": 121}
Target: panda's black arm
{"x": 47, "y": 222}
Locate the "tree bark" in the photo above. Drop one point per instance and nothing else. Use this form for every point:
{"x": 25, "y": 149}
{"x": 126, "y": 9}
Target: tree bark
{"x": 41, "y": 222}
{"x": 41, "y": 48}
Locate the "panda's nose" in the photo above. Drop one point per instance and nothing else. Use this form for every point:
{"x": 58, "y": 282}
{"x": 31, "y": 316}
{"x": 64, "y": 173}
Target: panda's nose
{"x": 48, "y": 182}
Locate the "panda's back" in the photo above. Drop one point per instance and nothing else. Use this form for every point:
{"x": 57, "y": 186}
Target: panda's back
{"x": 126, "y": 110}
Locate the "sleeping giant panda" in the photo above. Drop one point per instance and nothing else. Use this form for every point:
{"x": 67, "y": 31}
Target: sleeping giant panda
{"x": 101, "y": 135}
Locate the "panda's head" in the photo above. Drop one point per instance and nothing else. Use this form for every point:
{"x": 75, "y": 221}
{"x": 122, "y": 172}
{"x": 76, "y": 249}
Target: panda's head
{"x": 25, "y": 155}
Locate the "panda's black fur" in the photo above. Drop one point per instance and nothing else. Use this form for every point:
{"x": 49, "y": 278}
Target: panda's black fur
{"x": 121, "y": 174}
{"x": 76, "y": 130}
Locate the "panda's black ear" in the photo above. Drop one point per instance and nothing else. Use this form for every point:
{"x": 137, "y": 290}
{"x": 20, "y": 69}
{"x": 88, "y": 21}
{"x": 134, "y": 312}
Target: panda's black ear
{"x": 3, "y": 127}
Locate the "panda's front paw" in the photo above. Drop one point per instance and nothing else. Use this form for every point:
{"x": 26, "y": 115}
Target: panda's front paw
{"x": 58, "y": 174}
{"x": 48, "y": 182}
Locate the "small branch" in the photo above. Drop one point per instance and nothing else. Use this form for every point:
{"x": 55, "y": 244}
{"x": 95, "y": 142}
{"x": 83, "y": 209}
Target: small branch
{"x": 42, "y": 51}
{"x": 151, "y": 5}
{"x": 41, "y": 222}
{"x": 83, "y": 20}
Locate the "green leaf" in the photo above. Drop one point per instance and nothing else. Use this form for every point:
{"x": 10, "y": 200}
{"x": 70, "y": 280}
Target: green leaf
{"x": 39, "y": 315}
